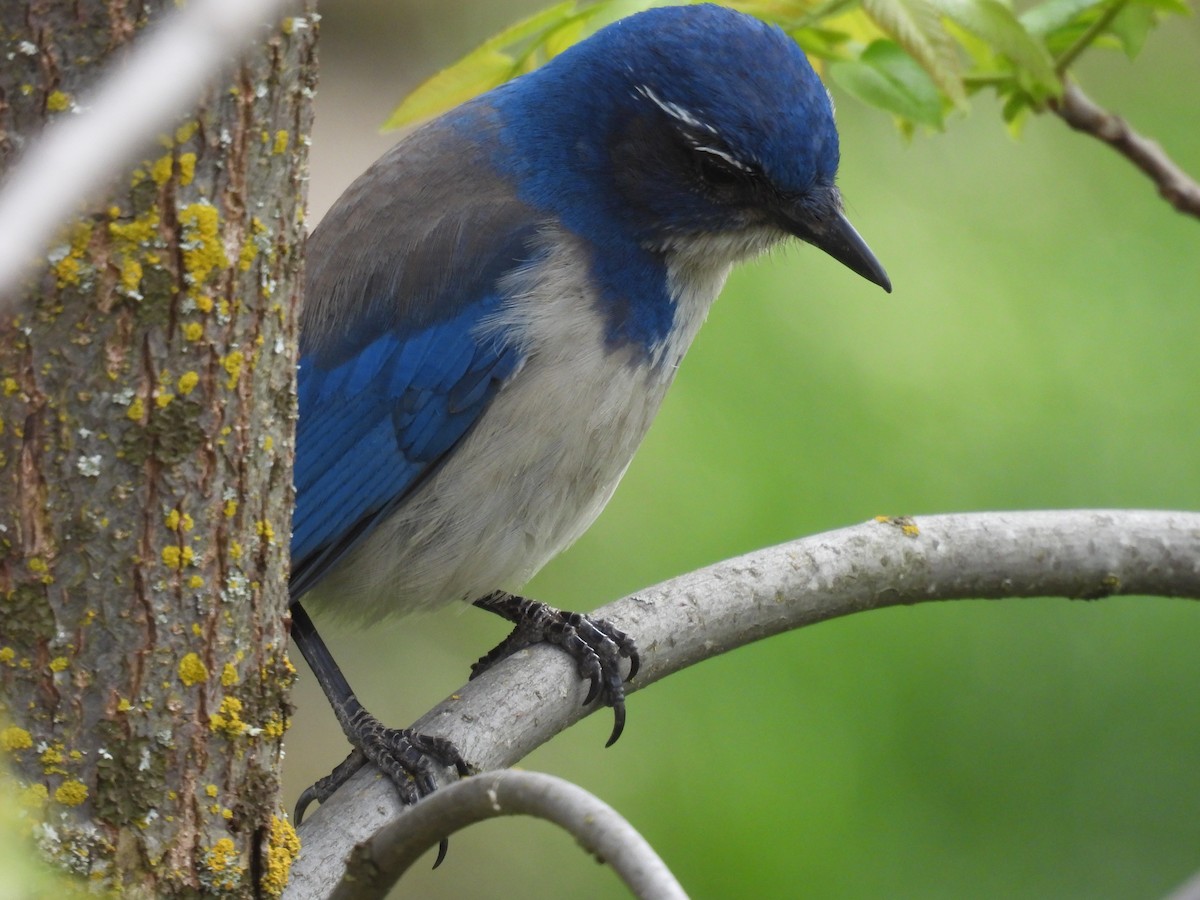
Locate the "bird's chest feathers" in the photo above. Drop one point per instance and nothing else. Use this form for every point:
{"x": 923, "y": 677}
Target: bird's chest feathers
{"x": 583, "y": 402}
{"x": 559, "y": 436}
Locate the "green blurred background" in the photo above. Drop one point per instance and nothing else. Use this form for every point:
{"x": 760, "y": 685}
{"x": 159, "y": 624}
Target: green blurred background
{"x": 1040, "y": 351}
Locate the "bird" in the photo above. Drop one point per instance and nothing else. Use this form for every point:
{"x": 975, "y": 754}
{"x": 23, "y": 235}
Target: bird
{"x": 494, "y": 311}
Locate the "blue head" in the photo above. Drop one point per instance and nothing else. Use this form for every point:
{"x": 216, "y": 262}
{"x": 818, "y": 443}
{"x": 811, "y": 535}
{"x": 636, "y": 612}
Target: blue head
{"x": 684, "y": 123}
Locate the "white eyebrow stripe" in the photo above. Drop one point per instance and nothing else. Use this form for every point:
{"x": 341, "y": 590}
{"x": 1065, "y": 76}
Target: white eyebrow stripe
{"x": 674, "y": 109}
{"x": 733, "y": 161}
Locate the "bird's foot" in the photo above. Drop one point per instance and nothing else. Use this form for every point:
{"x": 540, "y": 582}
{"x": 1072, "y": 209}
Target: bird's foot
{"x": 595, "y": 644}
{"x": 409, "y": 759}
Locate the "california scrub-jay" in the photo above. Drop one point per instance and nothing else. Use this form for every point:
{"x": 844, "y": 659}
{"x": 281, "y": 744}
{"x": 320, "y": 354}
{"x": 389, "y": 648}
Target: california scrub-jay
{"x": 496, "y": 308}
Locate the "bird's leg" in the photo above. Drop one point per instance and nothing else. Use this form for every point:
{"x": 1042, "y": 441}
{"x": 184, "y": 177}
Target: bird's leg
{"x": 596, "y": 645}
{"x": 408, "y": 758}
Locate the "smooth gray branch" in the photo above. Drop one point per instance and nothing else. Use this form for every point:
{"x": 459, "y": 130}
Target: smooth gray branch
{"x": 376, "y": 864}
{"x": 1189, "y": 890}
{"x": 142, "y": 95}
{"x": 524, "y": 701}
{"x": 1080, "y": 112}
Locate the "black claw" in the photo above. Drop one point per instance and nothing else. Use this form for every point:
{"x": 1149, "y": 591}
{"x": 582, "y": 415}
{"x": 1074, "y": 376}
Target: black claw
{"x": 635, "y": 661}
{"x": 443, "y": 846}
{"x": 306, "y": 798}
{"x": 596, "y": 645}
{"x": 618, "y": 723}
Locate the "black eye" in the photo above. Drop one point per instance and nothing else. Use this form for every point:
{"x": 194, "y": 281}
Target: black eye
{"x": 717, "y": 172}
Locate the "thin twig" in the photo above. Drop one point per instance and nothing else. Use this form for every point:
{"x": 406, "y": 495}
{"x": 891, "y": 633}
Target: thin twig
{"x": 1067, "y": 58}
{"x": 1078, "y": 110}
{"x": 378, "y": 863}
{"x": 525, "y": 700}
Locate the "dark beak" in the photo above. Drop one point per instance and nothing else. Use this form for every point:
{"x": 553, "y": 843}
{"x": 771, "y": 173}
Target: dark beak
{"x": 832, "y": 232}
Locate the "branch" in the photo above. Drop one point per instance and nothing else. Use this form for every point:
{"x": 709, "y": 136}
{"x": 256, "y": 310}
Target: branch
{"x": 378, "y": 863}
{"x": 1079, "y": 111}
{"x": 1189, "y": 890}
{"x": 527, "y": 699}
{"x": 79, "y": 153}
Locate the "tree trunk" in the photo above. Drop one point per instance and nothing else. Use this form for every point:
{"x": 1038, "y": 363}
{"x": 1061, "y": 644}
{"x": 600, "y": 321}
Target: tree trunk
{"x": 147, "y": 402}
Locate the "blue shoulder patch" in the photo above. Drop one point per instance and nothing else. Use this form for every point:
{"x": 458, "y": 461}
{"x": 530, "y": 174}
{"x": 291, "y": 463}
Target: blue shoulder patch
{"x": 373, "y": 426}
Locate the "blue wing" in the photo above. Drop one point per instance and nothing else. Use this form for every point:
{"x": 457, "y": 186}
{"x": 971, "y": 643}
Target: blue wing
{"x": 393, "y": 369}
{"x": 371, "y": 427}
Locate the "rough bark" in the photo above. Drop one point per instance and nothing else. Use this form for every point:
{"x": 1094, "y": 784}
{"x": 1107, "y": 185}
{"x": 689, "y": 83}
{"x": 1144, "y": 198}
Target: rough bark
{"x": 147, "y": 399}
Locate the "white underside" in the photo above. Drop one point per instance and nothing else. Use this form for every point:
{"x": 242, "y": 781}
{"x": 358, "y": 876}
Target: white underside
{"x": 547, "y": 454}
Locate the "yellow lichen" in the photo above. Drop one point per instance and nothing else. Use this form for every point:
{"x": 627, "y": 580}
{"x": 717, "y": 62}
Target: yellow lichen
{"x": 58, "y": 101}
{"x": 192, "y": 670}
{"x": 193, "y": 331}
{"x": 38, "y": 565}
{"x": 231, "y": 508}
{"x": 71, "y": 792}
{"x": 283, "y": 846}
{"x": 131, "y": 276}
{"x": 221, "y": 862}
{"x": 233, "y": 367}
{"x": 7, "y": 655}
{"x": 186, "y": 131}
{"x": 187, "y": 382}
{"x": 187, "y": 168}
{"x": 274, "y": 728}
{"x": 211, "y": 790}
{"x": 265, "y": 530}
{"x": 123, "y": 705}
{"x": 135, "y": 234}
{"x": 34, "y": 796}
{"x": 203, "y": 252}
{"x": 163, "y": 398}
{"x": 228, "y": 718}
{"x": 136, "y": 411}
{"x": 175, "y": 557}
{"x": 235, "y": 550}
{"x": 59, "y": 664}
{"x": 67, "y": 271}
{"x": 281, "y": 142}
{"x": 160, "y": 169}
{"x": 196, "y": 582}
{"x": 246, "y": 256}
{"x": 204, "y": 303}
{"x": 10, "y": 386}
{"x": 229, "y": 675}
{"x": 178, "y": 521}
{"x": 14, "y": 738}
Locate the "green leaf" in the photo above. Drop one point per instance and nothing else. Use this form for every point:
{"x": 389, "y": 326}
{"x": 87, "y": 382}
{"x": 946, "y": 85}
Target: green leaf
{"x": 1178, "y": 7}
{"x": 996, "y": 24}
{"x": 825, "y": 43}
{"x": 887, "y": 77}
{"x": 516, "y": 49}
{"x": 479, "y": 71}
{"x": 1131, "y": 26}
{"x": 916, "y": 26}
{"x": 1055, "y": 14}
